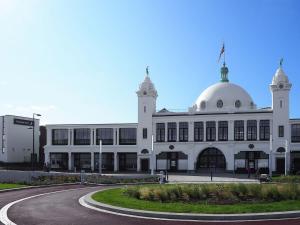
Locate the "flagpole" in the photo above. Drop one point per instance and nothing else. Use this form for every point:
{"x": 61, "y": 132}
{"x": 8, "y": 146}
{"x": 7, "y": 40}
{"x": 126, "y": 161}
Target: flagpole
{"x": 224, "y": 53}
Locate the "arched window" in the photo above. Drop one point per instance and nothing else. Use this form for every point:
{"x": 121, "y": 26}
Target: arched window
{"x": 145, "y": 151}
{"x": 281, "y": 149}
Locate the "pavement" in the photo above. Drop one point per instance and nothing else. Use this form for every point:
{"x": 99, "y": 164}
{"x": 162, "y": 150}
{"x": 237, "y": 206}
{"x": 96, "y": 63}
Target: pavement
{"x": 63, "y": 208}
{"x": 206, "y": 178}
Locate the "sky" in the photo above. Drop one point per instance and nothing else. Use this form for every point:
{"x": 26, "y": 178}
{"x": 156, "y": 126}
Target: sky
{"x": 82, "y": 61}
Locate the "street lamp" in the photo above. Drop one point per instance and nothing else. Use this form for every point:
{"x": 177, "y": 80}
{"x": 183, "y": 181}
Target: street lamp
{"x": 271, "y": 156}
{"x": 33, "y": 125}
{"x": 152, "y": 155}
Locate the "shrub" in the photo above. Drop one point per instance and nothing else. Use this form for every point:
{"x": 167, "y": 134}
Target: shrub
{"x": 216, "y": 193}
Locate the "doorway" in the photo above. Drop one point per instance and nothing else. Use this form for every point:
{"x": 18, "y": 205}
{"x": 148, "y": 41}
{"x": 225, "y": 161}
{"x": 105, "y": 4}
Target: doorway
{"x": 280, "y": 165}
{"x": 145, "y": 165}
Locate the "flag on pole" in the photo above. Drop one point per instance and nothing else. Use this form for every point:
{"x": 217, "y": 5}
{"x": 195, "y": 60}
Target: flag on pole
{"x": 222, "y": 52}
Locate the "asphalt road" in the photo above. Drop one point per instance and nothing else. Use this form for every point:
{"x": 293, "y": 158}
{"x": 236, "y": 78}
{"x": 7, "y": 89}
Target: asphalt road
{"x": 62, "y": 208}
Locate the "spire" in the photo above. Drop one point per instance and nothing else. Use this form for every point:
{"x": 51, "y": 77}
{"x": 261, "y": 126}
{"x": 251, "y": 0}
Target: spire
{"x": 224, "y": 73}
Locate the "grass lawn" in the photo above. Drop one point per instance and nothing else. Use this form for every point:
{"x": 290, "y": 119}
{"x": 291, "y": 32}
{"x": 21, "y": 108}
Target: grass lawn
{"x": 116, "y": 197}
{"x": 9, "y": 186}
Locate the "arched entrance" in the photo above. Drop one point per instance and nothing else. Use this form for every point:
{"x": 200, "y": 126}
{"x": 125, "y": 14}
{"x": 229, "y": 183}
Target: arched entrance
{"x": 211, "y": 158}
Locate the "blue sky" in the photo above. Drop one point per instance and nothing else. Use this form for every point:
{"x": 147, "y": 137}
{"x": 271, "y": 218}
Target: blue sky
{"x": 82, "y": 61}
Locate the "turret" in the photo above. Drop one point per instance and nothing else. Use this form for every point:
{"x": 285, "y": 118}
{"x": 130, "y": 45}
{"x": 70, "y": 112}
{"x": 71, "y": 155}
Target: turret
{"x": 147, "y": 96}
{"x": 280, "y": 89}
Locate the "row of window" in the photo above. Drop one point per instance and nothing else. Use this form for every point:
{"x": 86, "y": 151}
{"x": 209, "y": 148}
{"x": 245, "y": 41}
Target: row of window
{"x": 127, "y": 136}
{"x": 239, "y": 131}
{"x": 82, "y": 136}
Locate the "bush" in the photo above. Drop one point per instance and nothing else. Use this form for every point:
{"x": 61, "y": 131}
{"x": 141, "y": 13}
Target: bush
{"x": 216, "y": 193}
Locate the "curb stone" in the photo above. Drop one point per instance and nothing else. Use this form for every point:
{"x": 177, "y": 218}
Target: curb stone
{"x": 191, "y": 216}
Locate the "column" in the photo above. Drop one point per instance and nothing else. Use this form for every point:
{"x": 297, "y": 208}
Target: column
{"x": 115, "y": 161}
{"x": 47, "y": 157}
{"x": 177, "y": 131}
{"x": 191, "y": 162}
{"x": 231, "y": 130}
{"x": 217, "y": 130}
{"x": 95, "y": 137}
{"x": 91, "y": 136}
{"x": 69, "y": 160}
{"x": 245, "y": 130}
{"x": 92, "y": 161}
{"x": 117, "y": 141}
{"x": 69, "y": 136}
{"x": 191, "y": 131}
{"x": 166, "y": 132}
{"x": 258, "y": 130}
{"x": 49, "y": 136}
{"x": 138, "y": 163}
{"x": 204, "y": 130}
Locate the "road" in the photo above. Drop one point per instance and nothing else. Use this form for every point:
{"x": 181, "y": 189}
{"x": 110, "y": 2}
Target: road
{"x": 62, "y": 208}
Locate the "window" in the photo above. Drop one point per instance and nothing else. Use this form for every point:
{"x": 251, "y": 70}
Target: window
{"x": 238, "y": 130}
{"x": 220, "y": 103}
{"x": 183, "y": 131}
{"x": 172, "y": 132}
{"x": 238, "y": 104}
{"x": 223, "y": 130}
{"x": 210, "y": 130}
{"x": 264, "y": 130}
{"x": 251, "y": 130}
{"x": 144, "y": 133}
{"x": 127, "y": 136}
{"x": 145, "y": 109}
{"x": 59, "y": 137}
{"x": 198, "y": 131}
{"x": 160, "y": 132}
{"x": 106, "y": 135}
{"x": 280, "y": 131}
{"x": 280, "y": 103}
{"x": 82, "y": 136}
{"x": 295, "y": 132}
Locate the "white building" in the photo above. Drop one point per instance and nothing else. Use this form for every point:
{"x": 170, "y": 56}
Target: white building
{"x": 17, "y": 139}
{"x": 223, "y": 130}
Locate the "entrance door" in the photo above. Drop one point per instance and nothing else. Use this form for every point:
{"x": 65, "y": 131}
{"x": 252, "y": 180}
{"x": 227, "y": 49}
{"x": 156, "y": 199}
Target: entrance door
{"x": 145, "y": 165}
{"x": 173, "y": 161}
{"x": 211, "y": 158}
{"x": 280, "y": 165}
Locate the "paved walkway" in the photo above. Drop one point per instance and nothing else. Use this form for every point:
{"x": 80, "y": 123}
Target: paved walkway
{"x": 204, "y": 178}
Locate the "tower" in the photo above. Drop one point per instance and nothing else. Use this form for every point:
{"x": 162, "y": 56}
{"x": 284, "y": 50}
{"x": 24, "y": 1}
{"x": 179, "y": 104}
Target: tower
{"x": 147, "y": 95}
{"x": 280, "y": 89}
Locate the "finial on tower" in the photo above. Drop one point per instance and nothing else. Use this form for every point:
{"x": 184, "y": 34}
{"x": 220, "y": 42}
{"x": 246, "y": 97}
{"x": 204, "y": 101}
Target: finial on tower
{"x": 224, "y": 73}
{"x": 281, "y": 62}
{"x": 147, "y": 70}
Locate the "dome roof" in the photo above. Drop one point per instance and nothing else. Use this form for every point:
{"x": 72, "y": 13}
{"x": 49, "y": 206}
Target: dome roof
{"x": 224, "y": 96}
{"x": 280, "y": 77}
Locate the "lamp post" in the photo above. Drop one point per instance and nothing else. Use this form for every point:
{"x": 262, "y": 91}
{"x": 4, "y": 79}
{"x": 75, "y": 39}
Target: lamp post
{"x": 271, "y": 158}
{"x": 100, "y": 157}
{"x": 152, "y": 156}
{"x": 286, "y": 155}
{"x": 33, "y": 153}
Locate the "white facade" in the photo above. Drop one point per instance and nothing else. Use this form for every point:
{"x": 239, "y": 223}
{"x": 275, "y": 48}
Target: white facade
{"x": 17, "y": 139}
{"x": 223, "y": 130}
